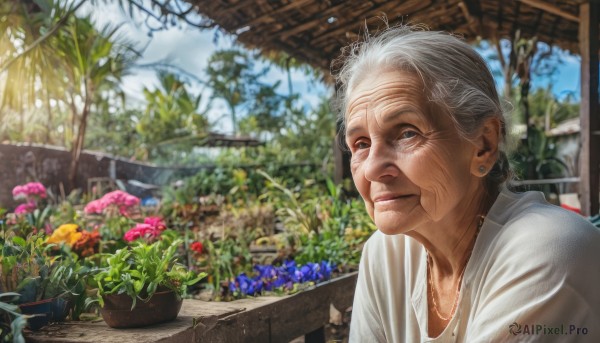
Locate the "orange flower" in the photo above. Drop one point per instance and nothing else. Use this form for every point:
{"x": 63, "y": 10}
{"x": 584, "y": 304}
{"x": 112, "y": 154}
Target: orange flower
{"x": 88, "y": 243}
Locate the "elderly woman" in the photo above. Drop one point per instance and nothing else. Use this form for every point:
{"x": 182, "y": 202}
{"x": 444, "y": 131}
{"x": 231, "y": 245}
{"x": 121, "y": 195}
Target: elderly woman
{"x": 457, "y": 256}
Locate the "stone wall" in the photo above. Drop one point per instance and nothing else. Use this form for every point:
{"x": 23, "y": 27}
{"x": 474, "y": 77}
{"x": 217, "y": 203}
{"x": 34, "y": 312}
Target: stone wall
{"x": 20, "y": 164}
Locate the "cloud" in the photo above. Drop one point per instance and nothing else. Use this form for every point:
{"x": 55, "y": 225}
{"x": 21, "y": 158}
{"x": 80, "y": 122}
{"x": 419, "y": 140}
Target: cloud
{"x": 188, "y": 49}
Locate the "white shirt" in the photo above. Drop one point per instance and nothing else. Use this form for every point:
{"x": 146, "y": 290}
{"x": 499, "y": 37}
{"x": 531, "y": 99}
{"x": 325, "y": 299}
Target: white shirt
{"x": 533, "y": 276}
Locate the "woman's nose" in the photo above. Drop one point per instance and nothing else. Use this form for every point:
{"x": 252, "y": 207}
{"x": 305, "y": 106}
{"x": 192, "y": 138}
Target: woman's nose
{"x": 381, "y": 163}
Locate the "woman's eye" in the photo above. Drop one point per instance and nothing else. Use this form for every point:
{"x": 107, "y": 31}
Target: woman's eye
{"x": 361, "y": 145}
{"x": 408, "y": 134}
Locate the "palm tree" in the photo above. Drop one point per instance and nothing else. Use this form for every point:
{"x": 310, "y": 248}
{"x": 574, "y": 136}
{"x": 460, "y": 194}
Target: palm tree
{"x": 76, "y": 65}
{"x": 172, "y": 119}
{"x": 93, "y": 63}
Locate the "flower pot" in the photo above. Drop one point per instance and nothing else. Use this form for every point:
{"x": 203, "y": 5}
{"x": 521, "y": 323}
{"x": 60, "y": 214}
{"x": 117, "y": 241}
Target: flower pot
{"x": 41, "y": 312}
{"x": 161, "y": 307}
{"x": 60, "y": 309}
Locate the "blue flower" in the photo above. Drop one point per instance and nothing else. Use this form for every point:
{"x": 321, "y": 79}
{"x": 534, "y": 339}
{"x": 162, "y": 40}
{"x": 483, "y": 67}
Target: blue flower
{"x": 269, "y": 277}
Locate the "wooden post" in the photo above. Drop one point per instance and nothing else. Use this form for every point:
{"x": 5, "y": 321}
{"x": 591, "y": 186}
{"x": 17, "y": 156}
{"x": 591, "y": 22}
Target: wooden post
{"x": 589, "y": 160}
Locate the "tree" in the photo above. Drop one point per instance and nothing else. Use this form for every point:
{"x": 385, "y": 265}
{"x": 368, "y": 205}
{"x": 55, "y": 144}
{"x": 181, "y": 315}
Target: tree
{"x": 172, "y": 123}
{"x": 57, "y": 58}
{"x": 26, "y": 62}
{"x": 230, "y": 74}
{"x": 234, "y": 78}
{"x": 112, "y": 130}
{"x": 94, "y": 63}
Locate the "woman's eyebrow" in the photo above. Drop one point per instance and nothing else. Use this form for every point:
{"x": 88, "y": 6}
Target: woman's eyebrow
{"x": 352, "y": 130}
{"x": 393, "y": 116}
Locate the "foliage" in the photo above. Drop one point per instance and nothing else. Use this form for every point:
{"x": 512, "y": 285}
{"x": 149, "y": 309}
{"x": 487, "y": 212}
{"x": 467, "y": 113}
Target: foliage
{"x": 322, "y": 227}
{"x": 233, "y": 79}
{"x": 72, "y": 277}
{"x": 545, "y": 109}
{"x": 234, "y": 184}
{"x": 12, "y": 322}
{"x": 112, "y": 130}
{"x": 171, "y": 124}
{"x": 25, "y": 267}
{"x": 227, "y": 257}
{"x": 141, "y": 270}
{"x": 537, "y": 159}
{"x": 78, "y": 68}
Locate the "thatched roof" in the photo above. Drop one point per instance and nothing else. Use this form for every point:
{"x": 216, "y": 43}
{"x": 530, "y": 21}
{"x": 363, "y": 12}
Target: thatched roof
{"x": 315, "y": 30}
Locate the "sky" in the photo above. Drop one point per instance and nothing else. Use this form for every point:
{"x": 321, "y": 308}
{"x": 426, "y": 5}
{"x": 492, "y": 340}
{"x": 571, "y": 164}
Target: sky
{"x": 189, "y": 48}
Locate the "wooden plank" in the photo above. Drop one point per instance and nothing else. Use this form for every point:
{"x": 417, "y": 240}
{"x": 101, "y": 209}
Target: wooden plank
{"x": 278, "y": 11}
{"x": 544, "y": 6}
{"x": 473, "y": 20}
{"x": 260, "y": 319}
{"x": 372, "y": 14}
{"x": 286, "y": 319}
{"x": 320, "y": 18}
{"x": 590, "y": 143}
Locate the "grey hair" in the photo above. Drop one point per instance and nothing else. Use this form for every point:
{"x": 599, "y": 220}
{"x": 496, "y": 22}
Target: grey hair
{"x": 456, "y": 79}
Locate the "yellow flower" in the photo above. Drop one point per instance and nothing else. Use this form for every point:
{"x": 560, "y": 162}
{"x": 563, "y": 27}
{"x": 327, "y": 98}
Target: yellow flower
{"x": 66, "y": 233}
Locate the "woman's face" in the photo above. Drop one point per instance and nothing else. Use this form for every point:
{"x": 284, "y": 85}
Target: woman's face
{"x": 408, "y": 162}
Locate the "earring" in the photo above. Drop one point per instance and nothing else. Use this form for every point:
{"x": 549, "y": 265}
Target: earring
{"x": 481, "y": 169}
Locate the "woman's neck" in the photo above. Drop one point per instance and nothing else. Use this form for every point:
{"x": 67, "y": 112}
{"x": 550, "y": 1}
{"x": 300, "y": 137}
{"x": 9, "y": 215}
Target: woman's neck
{"x": 449, "y": 241}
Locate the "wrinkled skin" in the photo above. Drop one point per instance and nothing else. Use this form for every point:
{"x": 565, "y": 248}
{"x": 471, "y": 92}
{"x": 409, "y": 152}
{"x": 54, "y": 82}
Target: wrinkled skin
{"x": 409, "y": 163}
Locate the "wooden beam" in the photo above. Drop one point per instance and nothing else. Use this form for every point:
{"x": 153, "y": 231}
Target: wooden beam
{"x": 319, "y": 19}
{"x": 589, "y": 159}
{"x": 544, "y": 6}
{"x": 472, "y": 11}
{"x": 391, "y": 9}
{"x": 270, "y": 14}
{"x": 473, "y": 18}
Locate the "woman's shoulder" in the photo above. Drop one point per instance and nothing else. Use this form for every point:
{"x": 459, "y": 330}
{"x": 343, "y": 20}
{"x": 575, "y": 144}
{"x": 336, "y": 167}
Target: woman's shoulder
{"x": 526, "y": 228}
{"x": 528, "y": 216}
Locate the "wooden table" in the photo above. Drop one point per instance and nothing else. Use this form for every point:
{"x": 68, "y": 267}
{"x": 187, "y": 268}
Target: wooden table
{"x": 260, "y": 319}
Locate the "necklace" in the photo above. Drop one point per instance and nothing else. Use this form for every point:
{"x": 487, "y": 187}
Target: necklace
{"x": 453, "y": 309}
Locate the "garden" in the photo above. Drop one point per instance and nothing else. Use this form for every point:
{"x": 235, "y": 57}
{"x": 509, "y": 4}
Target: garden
{"x": 81, "y": 258}
{"x": 236, "y": 227}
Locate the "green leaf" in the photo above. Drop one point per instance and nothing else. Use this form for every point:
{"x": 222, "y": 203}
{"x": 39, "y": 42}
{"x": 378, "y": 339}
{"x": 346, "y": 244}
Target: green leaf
{"x": 19, "y": 241}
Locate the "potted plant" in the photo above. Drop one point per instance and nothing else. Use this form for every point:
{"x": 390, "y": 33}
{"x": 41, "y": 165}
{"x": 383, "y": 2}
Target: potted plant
{"x": 143, "y": 285}
{"x": 28, "y": 271}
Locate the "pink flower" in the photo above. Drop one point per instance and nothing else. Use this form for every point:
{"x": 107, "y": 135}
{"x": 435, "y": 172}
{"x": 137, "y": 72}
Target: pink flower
{"x": 18, "y": 191}
{"x": 156, "y": 222}
{"x": 150, "y": 229}
{"x": 141, "y": 230}
{"x": 27, "y": 207}
{"x": 119, "y": 199}
{"x": 29, "y": 190}
{"x": 94, "y": 206}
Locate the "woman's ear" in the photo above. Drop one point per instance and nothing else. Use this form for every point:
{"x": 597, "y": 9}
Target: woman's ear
{"x": 486, "y": 143}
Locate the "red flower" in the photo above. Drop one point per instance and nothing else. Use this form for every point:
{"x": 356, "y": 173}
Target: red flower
{"x": 197, "y": 247}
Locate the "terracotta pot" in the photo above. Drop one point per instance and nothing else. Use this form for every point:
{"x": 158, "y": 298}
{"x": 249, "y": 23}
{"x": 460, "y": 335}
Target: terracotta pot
{"x": 161, "y": 307}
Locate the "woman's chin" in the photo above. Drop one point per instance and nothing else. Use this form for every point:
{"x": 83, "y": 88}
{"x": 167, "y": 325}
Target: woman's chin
{"x": 394, "y": 222}
{"x": 392, "y": 227}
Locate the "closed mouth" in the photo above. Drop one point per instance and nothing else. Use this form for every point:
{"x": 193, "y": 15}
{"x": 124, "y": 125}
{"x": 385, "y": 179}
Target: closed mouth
{"x": 383, "y": 198}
